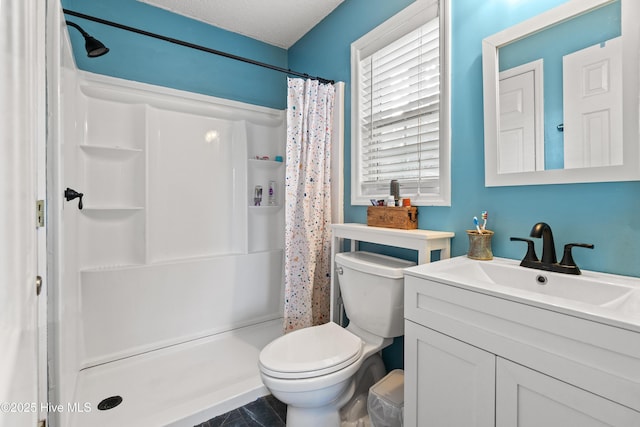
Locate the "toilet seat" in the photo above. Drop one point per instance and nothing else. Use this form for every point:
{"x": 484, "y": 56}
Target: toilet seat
{"x": 310, "y": 352}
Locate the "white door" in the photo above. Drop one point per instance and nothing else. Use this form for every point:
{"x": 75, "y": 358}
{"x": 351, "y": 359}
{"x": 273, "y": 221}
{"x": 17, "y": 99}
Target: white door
{"x": 520, "y": 143}
{"x": 592, "y": 90}
{"x": 453, "y": 384}
{"x": 23, "y": 135}
{"x": 527, "y": 398}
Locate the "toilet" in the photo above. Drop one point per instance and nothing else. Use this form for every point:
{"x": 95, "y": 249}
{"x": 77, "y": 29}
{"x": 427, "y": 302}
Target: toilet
{"x": 315, "y": 370}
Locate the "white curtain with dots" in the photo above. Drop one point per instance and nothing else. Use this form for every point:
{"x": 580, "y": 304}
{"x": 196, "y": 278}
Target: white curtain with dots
{"x": 308, "y": 203}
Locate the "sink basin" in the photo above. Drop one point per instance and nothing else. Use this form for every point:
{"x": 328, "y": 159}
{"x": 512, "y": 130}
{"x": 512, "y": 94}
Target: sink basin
{"x": 598, "y": 296}
{"x": 629, "y": 304}
{"x": 584, "y": 289}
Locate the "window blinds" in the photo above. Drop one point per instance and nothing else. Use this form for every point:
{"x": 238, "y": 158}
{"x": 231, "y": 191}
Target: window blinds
{"x": 400, "y": 124}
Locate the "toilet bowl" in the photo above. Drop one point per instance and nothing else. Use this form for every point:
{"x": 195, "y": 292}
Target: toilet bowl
{"x": 314, "y": 370}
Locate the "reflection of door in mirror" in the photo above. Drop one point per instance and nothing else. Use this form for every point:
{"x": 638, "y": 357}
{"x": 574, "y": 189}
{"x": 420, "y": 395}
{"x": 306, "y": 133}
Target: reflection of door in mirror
{"x": 592, "y": 83}
{"x": 521, "y": 140}
{"x": 572, "y": 26}
{"x": 551, "y": 45}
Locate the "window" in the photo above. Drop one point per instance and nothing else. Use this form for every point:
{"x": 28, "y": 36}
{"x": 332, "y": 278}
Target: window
{"x": 400, "y": 115}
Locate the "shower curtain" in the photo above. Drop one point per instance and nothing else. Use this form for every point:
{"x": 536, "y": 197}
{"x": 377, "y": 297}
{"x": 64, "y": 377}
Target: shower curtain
{"x": 308, "y": 203}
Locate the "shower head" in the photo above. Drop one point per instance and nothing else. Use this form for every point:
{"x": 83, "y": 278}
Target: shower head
{"x": 93, "y": 46}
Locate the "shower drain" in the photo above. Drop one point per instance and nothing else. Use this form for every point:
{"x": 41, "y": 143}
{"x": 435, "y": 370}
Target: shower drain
{"x": 109, "y": 403}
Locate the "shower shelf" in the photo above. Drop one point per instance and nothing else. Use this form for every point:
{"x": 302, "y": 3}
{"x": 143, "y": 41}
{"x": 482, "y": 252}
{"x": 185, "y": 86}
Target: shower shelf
{"x": 113, "y": 177}
{"x": 110, "y": 153}
{"x": 264, "y": 209}
{"x": 271, "y": 164}
{"x": 112, "y": 208}
{"x": 112, "y": 267}
{"x": 105, "y": 149}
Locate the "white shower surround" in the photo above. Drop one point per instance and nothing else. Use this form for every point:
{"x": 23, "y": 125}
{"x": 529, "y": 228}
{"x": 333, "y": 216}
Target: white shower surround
{"x": 169, "y": 282}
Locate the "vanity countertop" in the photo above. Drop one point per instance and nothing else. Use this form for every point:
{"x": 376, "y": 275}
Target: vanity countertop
{"x": 605, "y": 298}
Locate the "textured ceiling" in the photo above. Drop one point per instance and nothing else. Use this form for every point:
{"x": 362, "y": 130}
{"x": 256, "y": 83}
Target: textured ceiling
{"x": 277, "y": 22}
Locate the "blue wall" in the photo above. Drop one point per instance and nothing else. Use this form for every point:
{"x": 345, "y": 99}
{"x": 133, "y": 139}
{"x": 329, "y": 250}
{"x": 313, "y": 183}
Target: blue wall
{"x": 602, "y": 213}
{"x": 148, "y": 60}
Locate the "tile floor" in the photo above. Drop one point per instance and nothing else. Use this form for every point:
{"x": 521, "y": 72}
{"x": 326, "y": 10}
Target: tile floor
{"x": 265, "y": 412}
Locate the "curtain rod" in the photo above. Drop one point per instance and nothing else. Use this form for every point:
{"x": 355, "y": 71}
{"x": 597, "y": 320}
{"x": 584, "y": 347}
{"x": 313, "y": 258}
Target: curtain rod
{"x": 193, "y": 46}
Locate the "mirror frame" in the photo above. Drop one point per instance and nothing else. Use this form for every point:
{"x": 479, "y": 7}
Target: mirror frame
{"x": 630, "y": 170}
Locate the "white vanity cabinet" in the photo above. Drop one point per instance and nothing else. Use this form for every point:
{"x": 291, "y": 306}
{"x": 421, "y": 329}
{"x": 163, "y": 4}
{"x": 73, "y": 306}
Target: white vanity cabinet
{"x": 473, "y": 359}
{"x": 525, "y": 397}
{"x": 464, "y": 375}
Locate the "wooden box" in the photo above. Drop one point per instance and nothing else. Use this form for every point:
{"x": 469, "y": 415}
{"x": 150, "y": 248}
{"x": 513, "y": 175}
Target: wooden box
{"x": 402, "y": 217}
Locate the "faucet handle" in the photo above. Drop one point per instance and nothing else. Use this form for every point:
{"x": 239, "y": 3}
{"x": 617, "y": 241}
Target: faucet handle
{"x": 567, "y": 258}
{"x": 531, "y": 250}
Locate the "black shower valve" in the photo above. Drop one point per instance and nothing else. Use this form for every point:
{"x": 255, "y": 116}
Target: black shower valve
{"x": 70, "y": 194}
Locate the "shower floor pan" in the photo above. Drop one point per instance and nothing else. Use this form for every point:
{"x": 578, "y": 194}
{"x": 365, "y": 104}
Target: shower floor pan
{"x": 182, "y": 385}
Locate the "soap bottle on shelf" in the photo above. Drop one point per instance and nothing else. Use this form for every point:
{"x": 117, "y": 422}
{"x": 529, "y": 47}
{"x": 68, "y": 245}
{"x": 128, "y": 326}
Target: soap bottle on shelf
{"x": 257, "y": 195}
{"x": 272, "y": 193}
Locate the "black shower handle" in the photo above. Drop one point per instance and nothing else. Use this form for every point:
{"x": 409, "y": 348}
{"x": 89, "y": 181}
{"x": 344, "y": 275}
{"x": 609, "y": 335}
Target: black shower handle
{"x": 71, "y": 194}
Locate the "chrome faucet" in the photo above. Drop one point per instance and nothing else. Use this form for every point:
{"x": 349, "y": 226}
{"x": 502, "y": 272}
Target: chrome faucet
{"x": 549, "y": 261}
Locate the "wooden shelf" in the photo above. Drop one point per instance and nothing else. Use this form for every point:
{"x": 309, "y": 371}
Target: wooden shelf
{"x": 423, "y": 241}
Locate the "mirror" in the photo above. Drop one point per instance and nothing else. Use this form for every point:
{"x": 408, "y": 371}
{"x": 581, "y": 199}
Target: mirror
{"x": 561, "y": 96}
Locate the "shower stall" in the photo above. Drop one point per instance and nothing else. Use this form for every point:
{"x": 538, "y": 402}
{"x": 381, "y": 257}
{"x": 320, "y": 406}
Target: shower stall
{"x": 168, "y": 278}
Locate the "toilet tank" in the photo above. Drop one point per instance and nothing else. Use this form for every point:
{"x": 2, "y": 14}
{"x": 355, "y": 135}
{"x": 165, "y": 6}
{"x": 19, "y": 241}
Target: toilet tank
{"x": 372, "y": 288}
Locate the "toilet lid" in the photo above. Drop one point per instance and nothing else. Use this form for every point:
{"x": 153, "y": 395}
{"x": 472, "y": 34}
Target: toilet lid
{"x": 310, "y": 352}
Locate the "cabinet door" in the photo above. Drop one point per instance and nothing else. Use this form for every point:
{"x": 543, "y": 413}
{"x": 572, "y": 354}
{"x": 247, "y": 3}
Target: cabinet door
{"x": 527, "y": 398}
{"x": 448, "y": 383}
